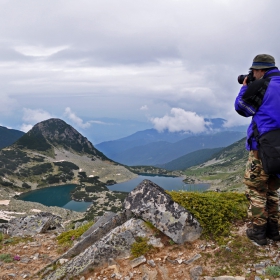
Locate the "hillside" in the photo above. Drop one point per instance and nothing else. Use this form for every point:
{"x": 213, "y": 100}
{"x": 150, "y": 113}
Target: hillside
{"x": 190, "y": 159}
{"x": 161, "y": 152}
{"x": 54, "y": 153}
{"x": 9, "y": 136}
{"x": 224, "y": 170}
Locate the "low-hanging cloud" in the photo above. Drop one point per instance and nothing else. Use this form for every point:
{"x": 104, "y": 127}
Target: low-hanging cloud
{"x": 180, "y": 120}
{"x": 75, "y": 119}
{"x": 33, "y": 116}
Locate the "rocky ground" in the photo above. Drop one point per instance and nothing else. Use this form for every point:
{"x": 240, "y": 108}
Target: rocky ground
{"x": 104, "y": 169}
{"x": 237, "y": 257}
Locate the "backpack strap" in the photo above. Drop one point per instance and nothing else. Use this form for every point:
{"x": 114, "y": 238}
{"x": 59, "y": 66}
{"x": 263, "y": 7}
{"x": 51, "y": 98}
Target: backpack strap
{"x": 256, "y": 131}
{"x": 272, "y": 75}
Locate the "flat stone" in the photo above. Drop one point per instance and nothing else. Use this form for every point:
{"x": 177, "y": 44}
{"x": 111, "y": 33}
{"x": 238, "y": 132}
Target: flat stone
{"x": 136, "y": 262}
{"x": 196, "y": 257}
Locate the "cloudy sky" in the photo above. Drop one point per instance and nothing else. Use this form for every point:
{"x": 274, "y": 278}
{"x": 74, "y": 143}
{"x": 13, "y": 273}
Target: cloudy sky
{"x": 166, "y": 64}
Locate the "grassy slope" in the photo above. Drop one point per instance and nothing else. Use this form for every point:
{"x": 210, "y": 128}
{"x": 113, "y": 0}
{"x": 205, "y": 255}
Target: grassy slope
{"x": 190, "y": 159}
{"x": 224, "y": 170}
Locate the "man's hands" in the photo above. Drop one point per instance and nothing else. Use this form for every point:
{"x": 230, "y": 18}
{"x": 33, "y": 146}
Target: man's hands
{"x": 244, "y": 82}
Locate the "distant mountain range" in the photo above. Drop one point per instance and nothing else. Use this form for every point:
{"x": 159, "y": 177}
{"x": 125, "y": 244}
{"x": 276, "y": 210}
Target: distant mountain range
{"x": 9, "y": 136}
{"x": 150, "y": 147}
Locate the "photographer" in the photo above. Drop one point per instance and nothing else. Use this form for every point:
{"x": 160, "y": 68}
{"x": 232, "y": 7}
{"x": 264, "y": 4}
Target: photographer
{"x": 259, "y": 98}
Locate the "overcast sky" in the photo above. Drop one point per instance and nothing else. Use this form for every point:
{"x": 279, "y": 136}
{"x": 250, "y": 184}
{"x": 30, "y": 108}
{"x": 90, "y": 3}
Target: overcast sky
{"x": 170, "y": 63}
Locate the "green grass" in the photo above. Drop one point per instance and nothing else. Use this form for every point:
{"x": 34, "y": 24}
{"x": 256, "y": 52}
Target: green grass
{"x": 215, "y": 211}
{"x": 273, "y": 271}
{"x": 6, "y": 258}
{"x": 67, "y": 238}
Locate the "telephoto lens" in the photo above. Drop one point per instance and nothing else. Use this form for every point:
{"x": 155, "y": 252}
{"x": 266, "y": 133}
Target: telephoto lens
{"x": 241, "y": 78}
{"x": 250, "y": 78}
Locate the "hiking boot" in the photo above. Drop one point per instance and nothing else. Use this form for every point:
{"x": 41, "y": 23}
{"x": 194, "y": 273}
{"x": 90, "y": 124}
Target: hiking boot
{"x": 272, "y": 230}
{"x": 258, "y": 234}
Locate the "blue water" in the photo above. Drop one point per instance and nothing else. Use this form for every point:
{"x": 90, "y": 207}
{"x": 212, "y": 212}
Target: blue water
{"x": 166, "y": 182}
{"x": 56, "y": 196}
{"x": 60, "y": 195}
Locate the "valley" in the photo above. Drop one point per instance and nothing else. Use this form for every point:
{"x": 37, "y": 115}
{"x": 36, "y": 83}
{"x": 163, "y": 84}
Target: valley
{"x": 53, "y": 153}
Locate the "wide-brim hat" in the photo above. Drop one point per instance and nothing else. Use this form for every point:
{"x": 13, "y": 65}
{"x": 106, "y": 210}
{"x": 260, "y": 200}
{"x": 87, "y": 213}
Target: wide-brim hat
{"x": 263, "y": 61}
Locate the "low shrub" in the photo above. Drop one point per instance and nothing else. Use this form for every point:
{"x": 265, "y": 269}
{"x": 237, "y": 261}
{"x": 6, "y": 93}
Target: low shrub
{"x": 6, "y": 258}
{"x": 69, "y": 236}
{"x": 215, "y": 211}
{"x": 140, "y": 247}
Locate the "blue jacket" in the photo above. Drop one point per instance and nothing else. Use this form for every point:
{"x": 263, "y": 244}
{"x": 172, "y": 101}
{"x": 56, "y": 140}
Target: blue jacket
{"x": 266, "y": 114}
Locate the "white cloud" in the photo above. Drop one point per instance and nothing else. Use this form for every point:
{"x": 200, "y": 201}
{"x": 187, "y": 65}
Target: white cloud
{"x": 35, "y": 116}
{"x": 30, "y": 50}
{"x": 144, "y": 108}
{"x": 180, "y": 120}
{"x": 75, "y": 119}
{"x": 102, "y": 123}
{"x": 26, "y": 127}
{"x": 111, "y": 58}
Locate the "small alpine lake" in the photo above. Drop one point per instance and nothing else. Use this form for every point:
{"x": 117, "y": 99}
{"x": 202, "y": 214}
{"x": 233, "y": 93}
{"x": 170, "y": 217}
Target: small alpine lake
{"x": 168, "y": 183}
{"x": 60, "y": 195}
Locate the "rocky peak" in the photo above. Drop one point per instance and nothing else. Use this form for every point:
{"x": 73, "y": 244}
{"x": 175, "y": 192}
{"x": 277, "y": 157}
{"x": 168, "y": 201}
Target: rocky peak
{"x": 56, "y": 133}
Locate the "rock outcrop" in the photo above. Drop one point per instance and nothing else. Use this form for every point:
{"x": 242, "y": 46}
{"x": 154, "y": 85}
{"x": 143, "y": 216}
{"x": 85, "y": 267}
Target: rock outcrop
{"x": 103, "y": 225}
{"x": 115, "y": 244}
{"x": 151, "y": 203}
{"x": 32, "y": 225}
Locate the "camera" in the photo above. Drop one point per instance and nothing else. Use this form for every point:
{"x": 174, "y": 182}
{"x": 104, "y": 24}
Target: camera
{"x": 250, "y": 78}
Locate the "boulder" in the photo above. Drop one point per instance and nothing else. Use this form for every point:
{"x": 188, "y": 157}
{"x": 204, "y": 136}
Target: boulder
{"x": 115, "y": 244}
{"x": 103, "y": 225}
{"x": 151, "y": 203}
{"x": 32, "y": 225}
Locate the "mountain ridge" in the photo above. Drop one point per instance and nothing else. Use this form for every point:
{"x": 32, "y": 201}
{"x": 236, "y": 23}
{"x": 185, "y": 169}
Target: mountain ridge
{"x": 161, "y": 152}
{"x": 33, "y": 160}
{"x": 8, "y": 136}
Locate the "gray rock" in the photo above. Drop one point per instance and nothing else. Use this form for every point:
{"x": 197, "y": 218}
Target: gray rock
{"x": 32, "y": 225}
{"x": 25, "y": 260}
{"x": 78, "y": 224}
{"x": 136, "y": 262}
{"x": 115, "y": 244}
{"x": 151, "y": 263}
{"x": 153, "y": 204}
{"x": 195, "y": 272}
{"x": 103, "y": 225}
{"x": 196, "y": 257}
{"x": 155, "y": 242}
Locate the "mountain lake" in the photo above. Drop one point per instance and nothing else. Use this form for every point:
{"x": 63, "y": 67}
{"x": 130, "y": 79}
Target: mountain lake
{"x": 60, "y": 195}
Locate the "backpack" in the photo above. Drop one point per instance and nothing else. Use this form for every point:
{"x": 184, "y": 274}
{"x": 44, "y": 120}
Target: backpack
{"x": 269, "y": 150}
